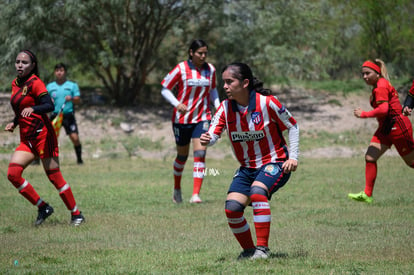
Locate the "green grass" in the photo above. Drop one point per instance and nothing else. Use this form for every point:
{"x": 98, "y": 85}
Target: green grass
{"x": 134, "y": 228}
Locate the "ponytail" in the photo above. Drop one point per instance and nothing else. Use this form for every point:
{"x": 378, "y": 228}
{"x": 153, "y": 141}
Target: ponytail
{"x": 258, "y": 87}
{"x": 384, "y": 71}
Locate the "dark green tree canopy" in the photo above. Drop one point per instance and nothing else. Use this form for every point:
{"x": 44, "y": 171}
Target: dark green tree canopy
{"x": 125, "y": 45}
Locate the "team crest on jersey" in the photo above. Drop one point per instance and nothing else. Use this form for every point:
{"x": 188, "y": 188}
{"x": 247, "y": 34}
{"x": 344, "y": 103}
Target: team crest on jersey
{"x": 256, "y": 118}
{"x": 271, "y": 169}
{"x": 24, "y": 92}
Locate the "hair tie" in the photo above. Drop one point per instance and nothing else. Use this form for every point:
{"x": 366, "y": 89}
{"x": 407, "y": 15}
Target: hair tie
{"x": 29, "y": 53}
{"x": 372, "y": 65}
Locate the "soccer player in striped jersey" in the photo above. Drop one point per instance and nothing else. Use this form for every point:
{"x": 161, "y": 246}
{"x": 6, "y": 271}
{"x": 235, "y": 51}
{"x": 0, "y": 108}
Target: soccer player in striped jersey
{"x": 393, "y": 127}
{"x": 195, "y": 84}
{"x": 31, "y": 102}
{"x": 409, "y": 102}
{"x": 255, "y": 121}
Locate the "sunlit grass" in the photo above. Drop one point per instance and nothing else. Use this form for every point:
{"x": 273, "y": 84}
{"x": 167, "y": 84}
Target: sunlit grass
{"x": 134, "y": 228}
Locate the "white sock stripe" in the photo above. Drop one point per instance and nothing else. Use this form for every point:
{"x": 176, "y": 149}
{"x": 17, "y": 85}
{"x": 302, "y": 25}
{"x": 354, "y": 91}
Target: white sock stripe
{"x": 21, "y": 187}
{"x": 198, "y": 174}
{"x": 176, "y": 173}
{"x": 178, "y": 166}
{"x": 261, "y": 205}
{"x": 64, "y": 188}
{"x": 74, "y": 209}
{"x": 262, "y": 218}
{"x": 240, "y": 229}
{"x": 39, "y": 202}
{"x": 199, "y": 164}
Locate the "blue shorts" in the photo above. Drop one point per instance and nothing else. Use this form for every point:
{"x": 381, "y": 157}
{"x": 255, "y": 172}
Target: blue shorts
{"x": 270, "y": 174}
{"x": 185, "y": 132}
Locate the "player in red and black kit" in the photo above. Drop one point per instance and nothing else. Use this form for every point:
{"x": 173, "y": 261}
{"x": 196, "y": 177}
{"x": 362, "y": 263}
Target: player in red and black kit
{"x": 409, "y": 102}
{"x": 394, "y": 128}
{"x": 31, "y": 103}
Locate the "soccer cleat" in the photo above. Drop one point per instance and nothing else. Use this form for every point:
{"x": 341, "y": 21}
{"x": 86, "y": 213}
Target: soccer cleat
{"x": 262, "y": 252}
{"x": 195, "y": 199}
{"x": 361, "y": 196}
{"x": 43, "y": 213}
{"x": 246, "y": 254}
{"x": 177, "y": 196}
{"x": 77, "y": 219}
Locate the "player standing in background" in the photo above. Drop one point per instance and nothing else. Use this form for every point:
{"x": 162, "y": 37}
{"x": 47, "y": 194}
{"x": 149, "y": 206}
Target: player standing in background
{"x": 195, "y": 82}
{"x": 254, "y": 121}
{"x": 31, "y": 103}
{"x": 66, "y": 92}
{"x": 394, "y": 128}
{"x": 409, "y": 102}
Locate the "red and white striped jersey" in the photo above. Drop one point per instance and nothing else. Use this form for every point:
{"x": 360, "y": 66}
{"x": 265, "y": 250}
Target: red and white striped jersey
{"x": 193, "y": 89}
{"x": 256, "y": 134}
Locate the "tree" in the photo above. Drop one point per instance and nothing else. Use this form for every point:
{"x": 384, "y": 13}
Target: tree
{"x": 387, "y": 32}
{"x": 118, "y": 40}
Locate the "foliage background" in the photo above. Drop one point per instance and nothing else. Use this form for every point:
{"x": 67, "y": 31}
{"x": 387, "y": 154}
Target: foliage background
{"x": 125, "y": 48}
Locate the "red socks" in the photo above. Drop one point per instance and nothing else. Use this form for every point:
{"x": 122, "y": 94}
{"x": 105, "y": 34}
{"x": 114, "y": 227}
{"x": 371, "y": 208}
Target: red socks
{"x": 198, "y": 174}
{"x": 240, "y": 228}
{"x": 262, "y": 218}
{"x": 65, "y": 192}
{"x": 370, "y": 176}
{"x": 178, "y": 171}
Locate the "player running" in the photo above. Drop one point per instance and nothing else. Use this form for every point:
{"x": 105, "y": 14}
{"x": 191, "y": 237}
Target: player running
{"x": 195, "y": 82}
{"x": 31, "y": 103}
{"x": 393, "y": 127}
{"x": 255, "y": 121}
{"x": 409, "y": 102}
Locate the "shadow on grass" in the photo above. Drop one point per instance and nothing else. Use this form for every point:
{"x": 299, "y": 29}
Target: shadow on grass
{"x": 283, "y": 255}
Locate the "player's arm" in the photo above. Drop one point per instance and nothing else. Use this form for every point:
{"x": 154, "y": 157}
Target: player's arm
{"x": 12, "y": 125}
{"x": 409, "y": 101}
{"x": 169, "y": 96}
{"x": 45, "y": 104}
{"x": 217, "y": 126}
{"x": 281, "y": 114}
{"x": 75, "y": 94}
{"x": 214, "y": 98}
{"x": 291, "y": 164}
{"x": 76, "y": 99}
{"x": 380, "y": 111}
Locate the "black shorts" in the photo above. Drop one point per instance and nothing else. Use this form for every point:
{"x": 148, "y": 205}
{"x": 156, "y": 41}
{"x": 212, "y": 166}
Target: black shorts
{"x": 185, "y": 132}
{"x": 69, "y": 123}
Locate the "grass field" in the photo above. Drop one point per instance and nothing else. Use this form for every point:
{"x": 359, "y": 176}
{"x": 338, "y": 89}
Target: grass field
{"x": 134, "y": 228}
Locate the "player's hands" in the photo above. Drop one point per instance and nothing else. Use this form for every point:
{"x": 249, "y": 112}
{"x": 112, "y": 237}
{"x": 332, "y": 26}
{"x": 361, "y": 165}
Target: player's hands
{"x": 290, "y": 165}
{"x": 68, "y": 98}
{"x": 205, "y": 139}
{"x": 407, "y": 111}
{"x": 358, "y": 112}
{"x": 182, "y": 108}
{"x": 27, "y": 112}
{"x": 9, "y": 127}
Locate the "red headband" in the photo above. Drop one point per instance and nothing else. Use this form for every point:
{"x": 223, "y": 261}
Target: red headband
{"x": 372, "y": 65}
